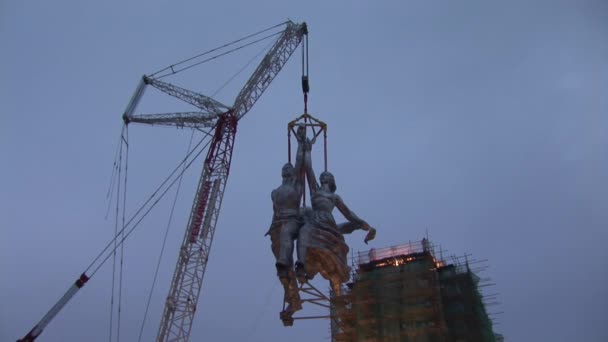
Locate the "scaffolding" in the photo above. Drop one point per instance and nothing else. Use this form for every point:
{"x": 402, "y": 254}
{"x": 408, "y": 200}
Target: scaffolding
{"x": 465, "y": 311}
{"x": 404, "y": 293}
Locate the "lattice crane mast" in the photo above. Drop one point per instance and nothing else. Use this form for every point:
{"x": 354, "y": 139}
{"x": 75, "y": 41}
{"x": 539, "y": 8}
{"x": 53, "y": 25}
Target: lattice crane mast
{"x": 181, "y": 302}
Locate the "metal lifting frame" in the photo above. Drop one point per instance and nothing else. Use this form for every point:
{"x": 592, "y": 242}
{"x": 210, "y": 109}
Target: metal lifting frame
{"x": 315, "y": 296}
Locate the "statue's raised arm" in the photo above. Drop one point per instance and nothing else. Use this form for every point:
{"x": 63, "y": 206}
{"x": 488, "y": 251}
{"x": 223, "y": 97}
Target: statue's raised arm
{"x": 299, "y": 167}
{"x": 313, "y": 186}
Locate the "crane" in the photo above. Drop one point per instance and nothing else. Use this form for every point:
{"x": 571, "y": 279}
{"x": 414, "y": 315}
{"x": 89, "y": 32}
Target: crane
{"x": 186, "y": 284}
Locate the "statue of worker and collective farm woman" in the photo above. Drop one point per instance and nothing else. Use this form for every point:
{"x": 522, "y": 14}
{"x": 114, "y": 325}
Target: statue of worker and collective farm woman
{"x": 321, "y": 247}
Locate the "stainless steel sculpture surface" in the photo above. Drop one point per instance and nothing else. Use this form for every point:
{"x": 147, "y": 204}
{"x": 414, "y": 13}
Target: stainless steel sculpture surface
{"x": 286, "y": 223}
{"x": 321, "y": 247}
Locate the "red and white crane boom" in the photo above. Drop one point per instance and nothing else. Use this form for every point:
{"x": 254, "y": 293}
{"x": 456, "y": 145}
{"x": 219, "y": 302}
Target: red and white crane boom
{"x": 182, "y": 300}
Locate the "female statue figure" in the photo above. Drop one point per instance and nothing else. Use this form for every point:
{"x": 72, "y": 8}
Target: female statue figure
{"x": 321, "y": 246}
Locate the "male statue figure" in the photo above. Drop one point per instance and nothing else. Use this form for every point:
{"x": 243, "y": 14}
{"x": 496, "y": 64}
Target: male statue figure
{"x": 286, "y": 223}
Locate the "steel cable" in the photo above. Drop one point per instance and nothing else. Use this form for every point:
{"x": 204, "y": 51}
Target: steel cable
{"x": 110, "y": 193}
{"x": 113, "y": 253}
{"x": 241, "y": 70}
{"x": 162, "y": 249}
{"x": 217, "y": 48}
{"x": 120, "y": 241}
{"x": 173, "y": 71}
{"x": 148, "y": 200}
{"x": 125, "y": 139}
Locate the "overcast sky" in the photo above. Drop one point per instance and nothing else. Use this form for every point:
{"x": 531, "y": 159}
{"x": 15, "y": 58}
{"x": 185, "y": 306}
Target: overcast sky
{"x": 484, "y": 122}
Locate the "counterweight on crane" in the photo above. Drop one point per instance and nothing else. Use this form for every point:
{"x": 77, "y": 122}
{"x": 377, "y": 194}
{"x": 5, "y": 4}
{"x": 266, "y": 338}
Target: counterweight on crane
{"x": 182, "y": 300}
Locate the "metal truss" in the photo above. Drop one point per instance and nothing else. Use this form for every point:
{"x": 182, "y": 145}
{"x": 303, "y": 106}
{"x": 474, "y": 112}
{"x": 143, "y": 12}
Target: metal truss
{"x": 203, "y": 102}
{"x": 181, "y": 303}
{"x": 183, "y": 119}
{"x": 187, "y": 281}
{"x": 338, "y": 306}
{"x": 313, "y": 296}
{"x": 270, "y": 66}
{"x": 186, "y": 285}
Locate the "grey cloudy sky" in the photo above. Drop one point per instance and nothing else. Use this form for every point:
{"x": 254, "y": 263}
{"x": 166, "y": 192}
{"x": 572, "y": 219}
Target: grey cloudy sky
{"x": 483, "y": 122}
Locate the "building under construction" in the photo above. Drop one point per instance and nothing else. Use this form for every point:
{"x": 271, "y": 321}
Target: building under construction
{"x": 405, "y": 293}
